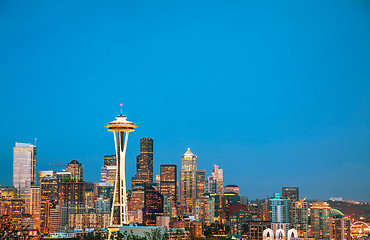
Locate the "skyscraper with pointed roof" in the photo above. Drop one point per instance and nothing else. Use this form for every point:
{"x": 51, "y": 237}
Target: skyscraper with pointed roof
{"x": 188, "y": 181}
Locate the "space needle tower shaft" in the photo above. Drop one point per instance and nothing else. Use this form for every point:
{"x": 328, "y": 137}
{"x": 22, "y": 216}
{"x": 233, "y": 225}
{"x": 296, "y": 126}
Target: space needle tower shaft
{"x": 120, "y": 129}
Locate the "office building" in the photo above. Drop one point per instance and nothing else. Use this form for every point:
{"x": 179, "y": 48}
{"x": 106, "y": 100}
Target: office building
{"x": 232, "y": 188}
{"x": 110, "y": 160}
{"x": 153, "y": 205}
{"x": 215, "y": 182}
{"x": 168, "y": 181}
{"x": 218, "y": 176}
{"x": 76, "y": 170}
{"x": 291, "y": 193}
{"x": 108, "y": 174}
{"x": 24, "y": 171}
{"x": 188, "y": 181}
{"x": 8, "y": 193}
{"x": 320, "y": 220}
{"x": 144, "y": 163}
{"x": 201, "y": 179}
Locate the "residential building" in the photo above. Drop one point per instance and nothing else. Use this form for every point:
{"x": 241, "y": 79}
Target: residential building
{"x": 76, "y": 170}
{"x": 320, "y": 220}
{"x": 298, "y": 217}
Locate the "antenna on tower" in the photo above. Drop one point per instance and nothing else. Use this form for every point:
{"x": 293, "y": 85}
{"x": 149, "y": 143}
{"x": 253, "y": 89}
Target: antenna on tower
{"x": 121, "y": 108}
{"x": 35, "y": 141}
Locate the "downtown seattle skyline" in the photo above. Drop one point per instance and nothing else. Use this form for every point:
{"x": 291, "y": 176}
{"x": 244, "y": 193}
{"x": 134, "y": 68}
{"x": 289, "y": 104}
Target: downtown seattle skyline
{"x": 277, "y": 93}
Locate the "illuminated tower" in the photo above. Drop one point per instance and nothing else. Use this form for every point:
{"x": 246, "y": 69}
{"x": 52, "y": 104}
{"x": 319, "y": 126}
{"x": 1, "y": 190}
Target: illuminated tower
{"x": 120, "y": 128}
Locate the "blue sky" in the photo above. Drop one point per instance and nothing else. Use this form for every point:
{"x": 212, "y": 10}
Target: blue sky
{"x": 275, "y": 92}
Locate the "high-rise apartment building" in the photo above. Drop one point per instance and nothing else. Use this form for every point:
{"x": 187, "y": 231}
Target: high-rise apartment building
{"x": 320, "y": 220}
{"x": 144, "y": 163}
{"x": 204, "y": 209}
{"x": 201, "y": 179}
{"x": 341, "y": 228}
{"x": 168, "y": 181}
{"x": 35, "y": 205}
{"x": 24, "y": 171}
{"x": 298, "y": 217}
{"x": 49, "y": 195}
{"x": 71, "y": 199}
{"x": 76, "y": 170}
{"x": 188, "y": 181}
{"x": 291, "y": 193}
{"x": 279, "y": 208}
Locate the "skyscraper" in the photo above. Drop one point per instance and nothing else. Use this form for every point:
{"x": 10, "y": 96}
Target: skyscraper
{"x": 153, "y": 205}
{"x": 291, "y": 193}
{"x": 320, "y": 220}
{"x": 168, "y": 181}
{"x": 24, "y": 171}
{"x": 76, "y": 170}
{"x": 188, "y": 181}
{"x": 144, "y": 163}
{"x": 201, "y": 178}
{"x": 215, "y": 182}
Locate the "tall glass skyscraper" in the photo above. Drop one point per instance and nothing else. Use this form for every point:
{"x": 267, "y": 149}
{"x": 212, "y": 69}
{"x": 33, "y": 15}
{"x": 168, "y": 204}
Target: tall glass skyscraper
{"x": 188, "y": 181}
{"x": 24, "y": 171}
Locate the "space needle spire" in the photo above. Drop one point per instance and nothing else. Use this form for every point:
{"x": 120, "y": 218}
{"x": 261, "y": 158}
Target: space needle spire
{"x": 120, "y": 128}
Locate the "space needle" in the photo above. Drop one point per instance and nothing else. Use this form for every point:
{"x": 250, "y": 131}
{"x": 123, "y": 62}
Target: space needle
{"x": 120, "y": 128}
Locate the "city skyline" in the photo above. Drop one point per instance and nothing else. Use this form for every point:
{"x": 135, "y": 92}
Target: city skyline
{"x": 289, "y": 83}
